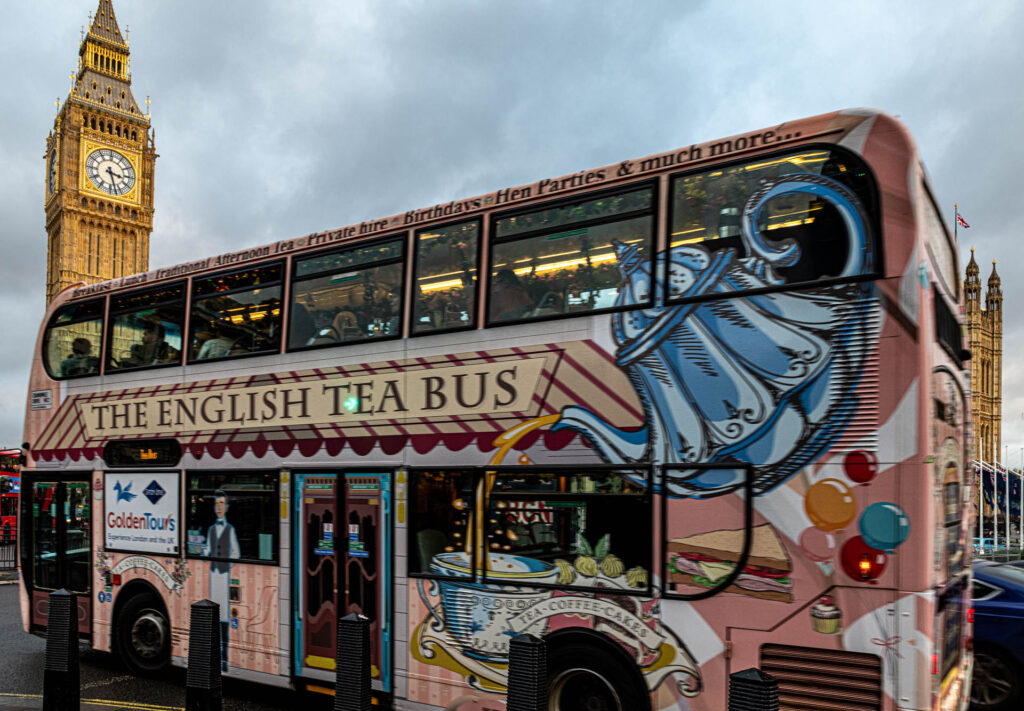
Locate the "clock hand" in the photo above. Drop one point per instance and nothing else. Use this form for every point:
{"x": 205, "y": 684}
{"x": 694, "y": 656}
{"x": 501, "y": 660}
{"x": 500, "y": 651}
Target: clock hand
{"x": 113, "y": 178}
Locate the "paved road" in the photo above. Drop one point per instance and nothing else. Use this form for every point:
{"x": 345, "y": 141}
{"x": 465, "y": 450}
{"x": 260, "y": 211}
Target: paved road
{"x": 21, "y": 672}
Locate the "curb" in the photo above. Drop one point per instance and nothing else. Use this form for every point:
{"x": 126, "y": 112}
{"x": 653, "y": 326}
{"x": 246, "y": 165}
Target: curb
{"x": 33, "y": 702}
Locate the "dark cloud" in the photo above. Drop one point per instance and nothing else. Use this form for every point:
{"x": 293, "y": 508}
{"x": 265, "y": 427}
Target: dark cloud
{"x": 277, "y": 119}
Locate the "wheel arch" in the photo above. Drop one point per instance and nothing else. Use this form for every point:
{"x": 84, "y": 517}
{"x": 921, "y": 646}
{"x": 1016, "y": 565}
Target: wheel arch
{"x": 1016, "y": 659}
{"x": 129, "y": 590}
{"x": 586, "y": 637}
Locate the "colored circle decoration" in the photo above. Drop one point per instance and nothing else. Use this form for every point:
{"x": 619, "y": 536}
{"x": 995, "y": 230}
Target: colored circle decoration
{"x": 830, "y": 504}
{"x": 884, "y": 526}
{"x": 817, "y": 545}
{"x": 861, "y": 466}
{"x": 860, "y": 561}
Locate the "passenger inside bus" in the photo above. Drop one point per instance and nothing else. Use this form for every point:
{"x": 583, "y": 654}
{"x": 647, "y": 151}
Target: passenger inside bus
{"x": 509, "y": 298}
{"x": 151, "y": 350}
{"x": 81, "y": 361}
{"x": 303, "y": 329}
{"x": 217, "y": 345}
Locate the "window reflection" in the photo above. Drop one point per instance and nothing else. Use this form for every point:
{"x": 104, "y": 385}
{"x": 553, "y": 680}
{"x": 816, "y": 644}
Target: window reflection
{"x": 147, "y": 328}
{"x": 73, "y": 340}
{"x": 580, "y": 529}
{"x": 707, "y": 210}
{"x": 565, "y": 272}
{"x": 568, "y": 258}
{"x": 604, "y": 207}
{"x": 346, "y": 296}
{"x": 441, "y": 510}
{"x": 232, "y": 516}
{"x": 44, "y": 538}
{"x": 446, "y": 274}
{"x": 233, "y": 319}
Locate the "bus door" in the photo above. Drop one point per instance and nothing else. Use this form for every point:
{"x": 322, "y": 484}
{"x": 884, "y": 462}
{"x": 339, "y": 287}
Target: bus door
{"x": 59, "y": 546}
{"x": 342, "y": 567}
{"x": 366, "y": 561}
{"x": 316, "y": 573}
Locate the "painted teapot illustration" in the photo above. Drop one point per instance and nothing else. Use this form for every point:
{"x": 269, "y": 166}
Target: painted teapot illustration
{"x": 765, "y": 378}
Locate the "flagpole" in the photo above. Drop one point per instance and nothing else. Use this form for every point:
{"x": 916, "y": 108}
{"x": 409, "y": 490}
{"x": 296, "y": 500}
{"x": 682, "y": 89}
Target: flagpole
{"x": 1020, "y": 514}
{"x": 956, "y": 211}
{"x": 1006, "y": 454}
{"x": 995, "y": 507}
{"x": 983, "y": 471}
{"x": 981, "y": 505}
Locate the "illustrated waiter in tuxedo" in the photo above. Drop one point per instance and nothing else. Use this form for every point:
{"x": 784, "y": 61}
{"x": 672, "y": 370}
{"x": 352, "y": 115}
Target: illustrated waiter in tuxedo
{"x": 222, "y": 543}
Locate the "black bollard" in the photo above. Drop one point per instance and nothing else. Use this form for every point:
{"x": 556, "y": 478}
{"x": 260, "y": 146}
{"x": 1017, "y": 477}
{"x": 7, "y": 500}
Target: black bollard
{"x": 203, "y": 689}
{"x": 352, "y": 665}
{"x": 61, "y": 689}
{"x": 753, "y": 690}
{"x": 527, "y": 674}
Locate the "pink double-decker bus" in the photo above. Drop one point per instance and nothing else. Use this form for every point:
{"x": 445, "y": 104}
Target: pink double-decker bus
{"x": 679, "y": 416}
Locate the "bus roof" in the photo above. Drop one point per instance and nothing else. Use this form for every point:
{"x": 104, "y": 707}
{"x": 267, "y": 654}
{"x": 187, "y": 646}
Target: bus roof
{"x": 829, "y": 127}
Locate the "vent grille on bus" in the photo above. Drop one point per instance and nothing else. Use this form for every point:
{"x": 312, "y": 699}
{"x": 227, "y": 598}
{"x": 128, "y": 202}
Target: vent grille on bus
{"x": 862, "y": 429}
{"x": 824, "y": 679}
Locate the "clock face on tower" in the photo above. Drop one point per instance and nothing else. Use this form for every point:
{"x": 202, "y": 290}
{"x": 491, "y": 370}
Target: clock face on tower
{"x": 110, "y": 171}
{"x": 51, "y": 178}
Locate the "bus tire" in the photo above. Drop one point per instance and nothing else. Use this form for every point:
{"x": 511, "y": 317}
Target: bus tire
{"x": 587, "y": 677}
{"x": 996, "y": 684}
{"x": 143, "y": 635}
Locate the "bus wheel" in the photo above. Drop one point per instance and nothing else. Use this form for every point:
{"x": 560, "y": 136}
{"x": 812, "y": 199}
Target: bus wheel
{"x": 143, "y": 635}
{"x": 584, "y": 677}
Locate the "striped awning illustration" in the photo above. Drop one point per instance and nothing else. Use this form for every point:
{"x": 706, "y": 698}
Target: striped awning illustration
{"x": 575, "y": 373}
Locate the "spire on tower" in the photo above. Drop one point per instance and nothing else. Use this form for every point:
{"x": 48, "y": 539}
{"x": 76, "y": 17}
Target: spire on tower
{"x": 972, "y": 266}
{"x": 104, "y": 78}
{"x": 994, "y": 294}
{"x": 103, "y": 25}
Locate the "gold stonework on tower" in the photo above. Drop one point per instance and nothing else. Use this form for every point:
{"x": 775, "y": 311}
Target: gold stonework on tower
{"x": 99, "y": 167}
{"x": 985, "y": 335}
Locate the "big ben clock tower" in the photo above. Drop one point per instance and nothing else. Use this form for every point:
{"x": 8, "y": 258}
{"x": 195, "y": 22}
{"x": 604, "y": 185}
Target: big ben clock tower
{"x": 99, "y": 168}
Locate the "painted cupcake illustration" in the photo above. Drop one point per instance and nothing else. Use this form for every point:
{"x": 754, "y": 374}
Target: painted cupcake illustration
{"x": 825, "y": 616}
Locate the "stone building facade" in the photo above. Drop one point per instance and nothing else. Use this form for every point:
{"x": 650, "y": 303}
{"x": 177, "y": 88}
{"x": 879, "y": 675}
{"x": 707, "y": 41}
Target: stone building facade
{"x": 99, "y": 163}
{"x": 985, "y": 336}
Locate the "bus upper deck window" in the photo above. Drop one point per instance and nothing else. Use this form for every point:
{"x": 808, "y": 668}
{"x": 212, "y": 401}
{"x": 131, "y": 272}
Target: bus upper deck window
{"x": 783, "y": 220}
{"x": 236, "y": 313}
{"x": 347, "y": 296}
{"x": 570, "y": 258}
{"x": 444, "y": 296}
{"x": 71, "y": 347}
{"x": 146, "y": 328}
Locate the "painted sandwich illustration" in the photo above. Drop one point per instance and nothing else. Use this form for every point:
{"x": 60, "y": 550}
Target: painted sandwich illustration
{"x": 705, "y": 558}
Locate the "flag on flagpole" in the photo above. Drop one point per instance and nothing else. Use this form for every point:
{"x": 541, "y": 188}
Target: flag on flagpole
{"x": 961, "y": 221}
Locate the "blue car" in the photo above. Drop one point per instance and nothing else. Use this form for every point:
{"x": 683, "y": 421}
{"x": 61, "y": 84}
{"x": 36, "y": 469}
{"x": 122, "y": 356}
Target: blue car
{"x": 998, "y": 680}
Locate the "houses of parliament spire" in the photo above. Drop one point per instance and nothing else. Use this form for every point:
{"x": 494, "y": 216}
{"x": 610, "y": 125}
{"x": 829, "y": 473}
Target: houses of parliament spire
{"x": 99, "y": 166}
{"x": 985, "y": 334}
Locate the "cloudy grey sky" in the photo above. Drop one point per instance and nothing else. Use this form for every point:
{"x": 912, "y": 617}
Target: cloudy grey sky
{"x": 275, "y": 119}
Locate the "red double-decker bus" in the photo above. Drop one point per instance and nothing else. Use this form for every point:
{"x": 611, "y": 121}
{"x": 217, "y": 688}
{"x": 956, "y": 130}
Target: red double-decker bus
{"x": 10, "y": 479}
